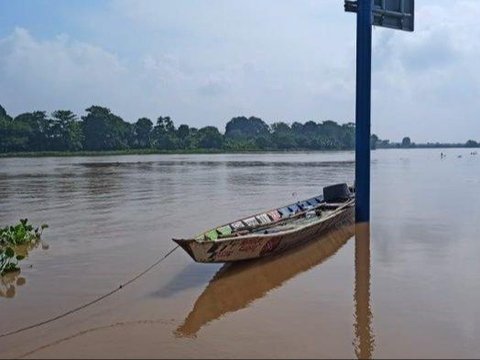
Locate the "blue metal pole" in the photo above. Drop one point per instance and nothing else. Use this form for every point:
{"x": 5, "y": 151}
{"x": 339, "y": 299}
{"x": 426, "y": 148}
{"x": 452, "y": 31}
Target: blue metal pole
{"x": 362, "y": 110}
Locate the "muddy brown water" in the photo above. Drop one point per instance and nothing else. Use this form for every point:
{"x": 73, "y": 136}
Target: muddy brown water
{"x": 408, "y": 286}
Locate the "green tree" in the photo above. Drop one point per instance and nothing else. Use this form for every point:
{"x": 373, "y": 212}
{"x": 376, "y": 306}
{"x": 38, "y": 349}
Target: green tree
{"x": 35, "y": 126}
{"x": 310, "y": 128}
{"x": 302, "y": 134}
{"x": 406, "y": 142}
{"x": 142, "y": 132}
{"x": 163, "y": 135}
{"x": 281, "y": 127}
{"x": 330, "y": 129}
{"x": 165, "y": 125}
{"x": 8, "y": 133}
{"x": 471, "y": 144}
{"x": 3, "y": 113}
{"x": 210, "y": 138}
{"x": 263, "y": 142}
{"x": 65, "y": 131}
{"x": 246, "y": 128}
{"x": 183, "y": 136}
{"x": 282, "y": 136}
{"x": 105, "y": 131}
{"x": 183, "y": 131}
{"x": 374, "y": 141}
{"x": 348, "y": 137}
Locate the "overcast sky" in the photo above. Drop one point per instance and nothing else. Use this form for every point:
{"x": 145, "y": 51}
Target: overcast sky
{"x": 204, "y": 62}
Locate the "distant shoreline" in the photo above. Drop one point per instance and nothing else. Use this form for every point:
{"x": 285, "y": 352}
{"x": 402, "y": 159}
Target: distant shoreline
{"x": 101, "y": 133}
{"x": 197, "y": 151}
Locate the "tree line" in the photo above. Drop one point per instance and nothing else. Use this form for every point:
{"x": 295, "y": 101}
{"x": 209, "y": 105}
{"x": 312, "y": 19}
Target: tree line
{"x": 101, "y": 130}
{"x": 406, "y": 143}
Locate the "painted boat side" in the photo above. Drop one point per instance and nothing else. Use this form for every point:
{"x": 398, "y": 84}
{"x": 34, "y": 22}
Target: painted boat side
{"x": 258, "y": 245}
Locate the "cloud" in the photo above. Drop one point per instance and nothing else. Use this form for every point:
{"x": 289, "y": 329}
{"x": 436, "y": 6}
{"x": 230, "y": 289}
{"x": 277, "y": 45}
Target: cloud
{"x": 426, "y": 83}
{"x": 57, "y": 73}
{"x": 204, "y": 62}
{"x": 65, "y": 73}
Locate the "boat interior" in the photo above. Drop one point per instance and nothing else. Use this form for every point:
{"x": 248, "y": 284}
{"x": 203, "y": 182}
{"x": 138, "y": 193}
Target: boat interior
{"x": 282, "y": 219}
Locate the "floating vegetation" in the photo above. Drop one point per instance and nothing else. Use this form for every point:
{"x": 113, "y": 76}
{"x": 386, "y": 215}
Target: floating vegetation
{"x": 9, "y": 260}
{"x": 15, "y": 241}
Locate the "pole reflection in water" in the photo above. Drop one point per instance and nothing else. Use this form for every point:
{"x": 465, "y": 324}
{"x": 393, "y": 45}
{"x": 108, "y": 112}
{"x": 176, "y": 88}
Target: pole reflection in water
{"x": 364, "y": 339}
{"x": 237, "y": 285}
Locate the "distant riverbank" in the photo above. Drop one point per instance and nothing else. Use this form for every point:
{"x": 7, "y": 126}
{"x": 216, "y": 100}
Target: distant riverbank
{"x": 107, "y": 153}
{"x": 186, "y": 152}
{"x": 146, "y": 152}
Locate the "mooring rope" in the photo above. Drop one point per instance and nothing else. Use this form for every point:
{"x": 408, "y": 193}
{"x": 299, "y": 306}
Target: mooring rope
{"x": 90, "y": 303}
{"x": 91, "y": 330}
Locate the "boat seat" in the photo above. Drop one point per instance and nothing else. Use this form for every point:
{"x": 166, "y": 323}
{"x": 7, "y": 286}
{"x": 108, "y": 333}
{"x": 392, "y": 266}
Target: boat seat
{"x": 237, "y": 225}
{"x": 211, "y": 235}
{"x": 263, "y": 219}
{"x": 313, "y": 201}
{"x": 225, "y": 230}
{"x": 285, "y": 212}
{"x": 251, "y": 221}
{"x": 275, "y": 215}
{"x": 320, "y": 198}
{"x": 295, "y": 208}
{"x": 305, "y": 205}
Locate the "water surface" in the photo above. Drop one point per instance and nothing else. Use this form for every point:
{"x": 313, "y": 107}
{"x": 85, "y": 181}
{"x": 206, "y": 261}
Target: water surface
{"x": 411, "y": 291}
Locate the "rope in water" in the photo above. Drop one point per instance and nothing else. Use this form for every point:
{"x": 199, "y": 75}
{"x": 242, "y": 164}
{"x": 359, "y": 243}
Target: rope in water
{"x": 90, "y": 303}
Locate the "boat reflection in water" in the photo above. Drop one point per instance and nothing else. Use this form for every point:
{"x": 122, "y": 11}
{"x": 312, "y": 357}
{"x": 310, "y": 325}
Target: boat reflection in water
{"x": 236, "y": 285}
{"x": 364, "y": 343}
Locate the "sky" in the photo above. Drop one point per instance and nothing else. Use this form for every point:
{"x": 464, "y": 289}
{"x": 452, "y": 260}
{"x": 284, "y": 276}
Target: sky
{"x": 203, "y": 62}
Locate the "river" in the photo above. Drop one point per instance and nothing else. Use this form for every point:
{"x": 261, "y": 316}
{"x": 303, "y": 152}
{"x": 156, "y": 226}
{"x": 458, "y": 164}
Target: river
{"x": 406, "y": 287}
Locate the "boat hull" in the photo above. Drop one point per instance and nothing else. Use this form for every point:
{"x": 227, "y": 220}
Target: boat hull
{"x": 254, "y": 246}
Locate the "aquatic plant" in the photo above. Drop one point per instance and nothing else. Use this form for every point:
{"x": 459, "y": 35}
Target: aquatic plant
{"x": 14, "y": 236}
{"x": 21, "y": 234}
{"x": 9, "y": 260}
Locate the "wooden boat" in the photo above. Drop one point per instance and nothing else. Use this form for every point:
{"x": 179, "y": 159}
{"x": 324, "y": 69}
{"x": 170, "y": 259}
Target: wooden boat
{"x": 272, "y": 231}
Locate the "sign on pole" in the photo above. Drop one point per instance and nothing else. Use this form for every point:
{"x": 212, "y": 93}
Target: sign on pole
{"x": 393, "y": 14}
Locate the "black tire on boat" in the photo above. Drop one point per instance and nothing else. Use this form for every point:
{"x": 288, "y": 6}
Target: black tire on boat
{"x": 337, "y": 192}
